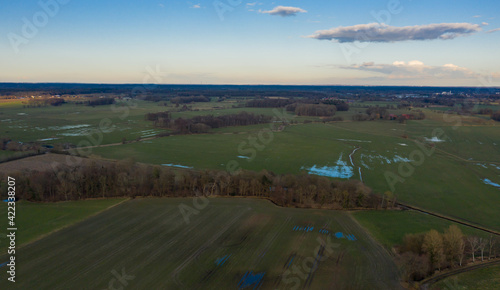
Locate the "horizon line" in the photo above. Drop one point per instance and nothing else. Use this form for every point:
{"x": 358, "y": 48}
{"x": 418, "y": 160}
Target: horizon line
{"x": 243, "y": 84}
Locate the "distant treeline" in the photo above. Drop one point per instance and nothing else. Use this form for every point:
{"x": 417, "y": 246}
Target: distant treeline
{"x": 268, "y": 103}
{"x": 99, "y": 102}
{"x": 340, "y": 105}
{"x": 44, "y": 102}
{"x": 496, "y": 116}
{"x": 125, "y": 179}
{"x": 292, "y": 104}
{"x": 160, "y": 119}
{"x": 202, "y": 124}
{"x": 376, "y": 113}
{"x": 190, "y": 99}
{"x": 312, "y": 110}
{"x": 166, "y": 92}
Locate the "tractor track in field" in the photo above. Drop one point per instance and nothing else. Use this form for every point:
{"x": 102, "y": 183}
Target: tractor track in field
{"x": 176, "y": 272}
{"x": 292, "y": 257}
{"x": 267, "y": 244}
{"x": 121, "y": 248}
{"x": 426, "y": 284}
{"x": 378, "y": 259}
{"x": 315, "y": 266}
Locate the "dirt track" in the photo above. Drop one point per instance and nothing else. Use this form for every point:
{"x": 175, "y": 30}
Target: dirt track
{"x": 429, "y": 282}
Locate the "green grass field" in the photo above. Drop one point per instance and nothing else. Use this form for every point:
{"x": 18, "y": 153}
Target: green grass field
{"x": 449, "y": 180}
{"x": 448, "y": 184}
{"x": 484, "y": 279}
{"x": 150, "y": 240}
{"x": 35, "y": 220}
{"x": 389, "y": 227}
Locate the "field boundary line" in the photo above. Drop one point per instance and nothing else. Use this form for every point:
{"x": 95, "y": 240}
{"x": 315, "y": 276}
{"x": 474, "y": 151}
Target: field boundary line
{"x": 71, "y": 224}
{"x": 176, "y": 272}
{"x": 465, "y": 223}
{"x": 369, "y": 234}
{"x": 426, "y": 283}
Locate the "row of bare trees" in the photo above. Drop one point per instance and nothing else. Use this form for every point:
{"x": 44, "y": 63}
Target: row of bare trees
{"x": 421, "y": 255}
{"x": 127, "y": 179}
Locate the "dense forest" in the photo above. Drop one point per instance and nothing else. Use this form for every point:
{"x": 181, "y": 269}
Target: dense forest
{"x": 124, "y": 178}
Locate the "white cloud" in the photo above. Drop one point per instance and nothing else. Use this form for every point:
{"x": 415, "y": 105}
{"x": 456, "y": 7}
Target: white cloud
{"x": 415, "y": 70}
{"x": 415, "y": 63}
{"x": 493, "y": 30}
{"x": 284, "y": 11}
{"x": 376, "y": 32}
{"x": 196, "y": 6}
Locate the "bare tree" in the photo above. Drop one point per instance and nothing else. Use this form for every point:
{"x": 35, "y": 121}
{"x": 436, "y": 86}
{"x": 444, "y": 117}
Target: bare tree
{"x": 482, "y": 245}
{"x": 461, "y": 254}
{"x": 492, "y": 243}
{"x": 474, "y": 245}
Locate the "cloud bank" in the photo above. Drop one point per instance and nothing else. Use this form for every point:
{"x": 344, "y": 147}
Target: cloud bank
{"x": 284, "y": 11}
{"x": 415, "y": 69}
{"x": 376, "y": 32}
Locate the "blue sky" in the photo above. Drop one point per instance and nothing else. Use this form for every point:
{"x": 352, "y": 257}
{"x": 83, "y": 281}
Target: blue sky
{"x": 251, "y": 42}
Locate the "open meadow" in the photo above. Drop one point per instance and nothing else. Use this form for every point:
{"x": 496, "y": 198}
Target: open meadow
{"x": 456, "y": 174}
{"x": 446, "y": 165}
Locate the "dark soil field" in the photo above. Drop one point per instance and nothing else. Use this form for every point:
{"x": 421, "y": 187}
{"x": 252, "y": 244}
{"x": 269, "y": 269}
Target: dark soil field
{"x": 225, "y": 244}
